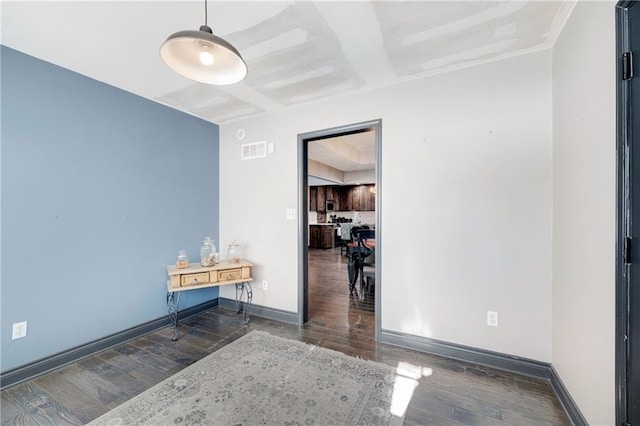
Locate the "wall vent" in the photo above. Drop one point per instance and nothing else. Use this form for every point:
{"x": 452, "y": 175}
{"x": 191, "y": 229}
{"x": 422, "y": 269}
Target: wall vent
{"x": 251, "y": 151}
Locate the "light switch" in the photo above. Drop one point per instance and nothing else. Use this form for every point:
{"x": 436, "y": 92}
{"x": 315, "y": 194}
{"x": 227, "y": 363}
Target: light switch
{"x": 291, "y": 214}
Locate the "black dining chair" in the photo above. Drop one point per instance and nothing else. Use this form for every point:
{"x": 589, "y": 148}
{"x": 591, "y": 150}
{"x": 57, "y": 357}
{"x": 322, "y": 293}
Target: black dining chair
{"x": 352, "y": 238}
{"x": 366, "y": 262}
{"x": 352, "y": 255}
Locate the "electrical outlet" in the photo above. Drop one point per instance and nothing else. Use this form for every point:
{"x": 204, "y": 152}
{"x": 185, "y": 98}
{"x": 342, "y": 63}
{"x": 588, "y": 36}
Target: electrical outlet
{"x": 492, "y": 319}
{"x": 19, "y": 330}
{"x": 265, "y": 285}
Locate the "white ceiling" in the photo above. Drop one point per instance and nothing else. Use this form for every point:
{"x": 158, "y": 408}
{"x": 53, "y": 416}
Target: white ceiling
{"x": 347, "y": 153}
{"x": 297, "y": 52}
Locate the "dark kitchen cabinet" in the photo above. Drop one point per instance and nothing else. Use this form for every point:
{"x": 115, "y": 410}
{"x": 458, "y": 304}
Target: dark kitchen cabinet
{"x": 330, "y": 195}
{"x": 345, "y": 198}
{"x": 313, "y": 198}
{"x": 314, "y": 236}
{"x": 317, "y": 198}
{"x": 355, "y": 192}
{"x": 345, "y": 201}
{"x": 321, "y": 236}
{"x": 321, "y": 199}
{"x": 363, "y": 198}
{"x": 369, "y": 198}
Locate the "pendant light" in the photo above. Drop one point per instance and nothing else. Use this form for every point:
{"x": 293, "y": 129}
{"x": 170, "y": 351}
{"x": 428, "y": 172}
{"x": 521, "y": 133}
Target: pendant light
{"x": 202, "y": 56}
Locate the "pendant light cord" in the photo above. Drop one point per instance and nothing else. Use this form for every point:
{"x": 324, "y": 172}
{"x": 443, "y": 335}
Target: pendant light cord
{"x": 205, "y": 12}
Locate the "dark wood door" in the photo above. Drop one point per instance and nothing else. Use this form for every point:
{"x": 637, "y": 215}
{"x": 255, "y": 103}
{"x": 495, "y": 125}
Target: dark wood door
{"x": 345, "y": 199}
{"x": 369, "y": 198}
{"x": 327, "y": 237}
{"x": 320, "y": 236}
{"x": 314, "y": 237}
{"x": 355, "y": 193}
{"x": 337, "y": 198}
{"x": 321, "y": 199}
{"x": 313, "y": 198}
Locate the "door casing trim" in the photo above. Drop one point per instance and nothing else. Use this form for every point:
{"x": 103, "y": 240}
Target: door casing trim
{"x": 623, "y": 126}
{"x": 303, "y": 217}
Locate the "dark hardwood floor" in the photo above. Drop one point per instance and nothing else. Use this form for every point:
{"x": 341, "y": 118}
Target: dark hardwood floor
{"x": 447, "y": 393}
{"x": 330, "y": 305}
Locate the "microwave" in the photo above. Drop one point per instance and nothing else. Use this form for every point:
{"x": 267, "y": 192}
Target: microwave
{"x": 330, "y": 206}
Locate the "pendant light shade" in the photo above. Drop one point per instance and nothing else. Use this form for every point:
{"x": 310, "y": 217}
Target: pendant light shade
{"x": 204, "y": 57}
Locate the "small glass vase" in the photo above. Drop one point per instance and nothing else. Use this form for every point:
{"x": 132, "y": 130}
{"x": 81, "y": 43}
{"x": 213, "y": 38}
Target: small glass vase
{"x": 234, "y": 252}
{"x": 207, "y": 252}
{"x": 182, "y": 261}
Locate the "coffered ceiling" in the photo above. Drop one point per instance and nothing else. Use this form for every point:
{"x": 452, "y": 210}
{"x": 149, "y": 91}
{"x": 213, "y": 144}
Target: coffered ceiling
{"x": 297, "y": 52}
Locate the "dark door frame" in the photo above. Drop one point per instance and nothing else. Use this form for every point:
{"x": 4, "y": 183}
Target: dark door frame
{"x": 303, "y": 217}
{"x": 624, "y": 258}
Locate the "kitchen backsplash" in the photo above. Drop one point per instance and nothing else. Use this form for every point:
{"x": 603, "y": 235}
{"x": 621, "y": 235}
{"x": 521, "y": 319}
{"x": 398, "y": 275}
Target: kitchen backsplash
{"x": 367, "y": 217}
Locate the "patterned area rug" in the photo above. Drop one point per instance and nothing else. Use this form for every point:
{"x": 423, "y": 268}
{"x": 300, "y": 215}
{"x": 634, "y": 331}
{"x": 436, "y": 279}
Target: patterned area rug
{"x": 263, "y": 379}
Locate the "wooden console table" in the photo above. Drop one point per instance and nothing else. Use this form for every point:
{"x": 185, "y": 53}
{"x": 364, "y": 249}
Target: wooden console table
{"x": 196, "y": 276}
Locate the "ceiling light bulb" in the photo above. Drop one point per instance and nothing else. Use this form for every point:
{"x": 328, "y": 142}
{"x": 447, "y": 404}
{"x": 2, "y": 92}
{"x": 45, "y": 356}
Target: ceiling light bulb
{"x": 206, "y": 58}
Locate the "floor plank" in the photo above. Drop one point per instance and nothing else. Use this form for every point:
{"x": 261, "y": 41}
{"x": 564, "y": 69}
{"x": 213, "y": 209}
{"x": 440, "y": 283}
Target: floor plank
{"x": 12, "y": 413}
{"x": 92, "y": 384}
{"x": 40, "y": 407}
{"x": 83, "y": 406}
{"x": 144, "y": 372}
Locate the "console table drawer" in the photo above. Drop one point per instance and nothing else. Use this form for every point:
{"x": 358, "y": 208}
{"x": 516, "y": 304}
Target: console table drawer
{"x": 230, "y": 274}
{"x": 194, "y": 279}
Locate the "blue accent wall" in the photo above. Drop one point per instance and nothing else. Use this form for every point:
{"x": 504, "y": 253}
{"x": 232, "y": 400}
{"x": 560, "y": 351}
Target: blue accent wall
{"x": 100, "y": 189}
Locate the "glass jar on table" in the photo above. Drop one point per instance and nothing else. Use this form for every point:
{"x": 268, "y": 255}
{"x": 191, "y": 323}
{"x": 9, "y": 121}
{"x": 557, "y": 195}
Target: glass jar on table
{"x": 234, "y": 252}
{"x": 182, "y": 260}
{"x": 207, "y": 252}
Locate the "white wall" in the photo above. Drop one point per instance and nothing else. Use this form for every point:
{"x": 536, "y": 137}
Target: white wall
{"x": 466, "y": 202}
{"x": 584, "y": 148}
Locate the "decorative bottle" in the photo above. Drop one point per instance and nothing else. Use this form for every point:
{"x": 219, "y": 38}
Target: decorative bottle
{"x": 207, "y": 252}
{"x": 182, "y": 261}
{"x": 234, "y": 253}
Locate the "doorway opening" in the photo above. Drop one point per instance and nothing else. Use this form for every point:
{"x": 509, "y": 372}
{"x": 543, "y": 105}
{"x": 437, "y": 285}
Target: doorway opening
{"x": 323, "y": 284}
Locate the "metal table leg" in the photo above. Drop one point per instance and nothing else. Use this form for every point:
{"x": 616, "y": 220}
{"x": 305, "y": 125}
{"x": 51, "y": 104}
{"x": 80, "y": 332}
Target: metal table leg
{"x": 240, "y": 289}
{"x": 172, "y": 306}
